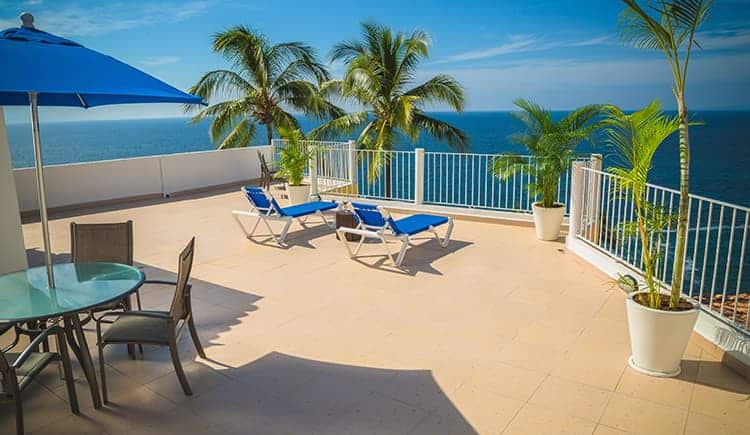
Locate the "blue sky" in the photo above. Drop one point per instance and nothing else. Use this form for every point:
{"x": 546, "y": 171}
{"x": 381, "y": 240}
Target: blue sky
{"x": 560, "y": 53}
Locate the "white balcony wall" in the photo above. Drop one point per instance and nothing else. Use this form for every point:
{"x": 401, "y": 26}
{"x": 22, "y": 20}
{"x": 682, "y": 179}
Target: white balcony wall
{"x": 95, "y": 182}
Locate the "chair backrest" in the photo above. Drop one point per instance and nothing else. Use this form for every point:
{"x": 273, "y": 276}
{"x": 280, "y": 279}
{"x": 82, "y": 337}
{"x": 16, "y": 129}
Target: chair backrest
{"x": 110, "y": 242}
{"x": 180, "y": 308}
{"x": 369, "y": 215}
{"x": 257, "y": 198}
{"x": 263, "y": 165}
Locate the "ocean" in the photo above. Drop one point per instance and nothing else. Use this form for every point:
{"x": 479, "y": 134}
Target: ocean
{"x": 720, "y": 166}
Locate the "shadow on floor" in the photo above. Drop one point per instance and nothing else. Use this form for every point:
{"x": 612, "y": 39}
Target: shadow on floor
{"x": 281, "y": 393}
{"x": 419, "y": 258}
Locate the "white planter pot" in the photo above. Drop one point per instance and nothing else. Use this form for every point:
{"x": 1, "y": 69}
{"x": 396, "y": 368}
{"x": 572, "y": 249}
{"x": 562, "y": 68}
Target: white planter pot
{"x": 658, "y": 338}
{"x": 298, "y": 194}
{"x": 548, "y": 221}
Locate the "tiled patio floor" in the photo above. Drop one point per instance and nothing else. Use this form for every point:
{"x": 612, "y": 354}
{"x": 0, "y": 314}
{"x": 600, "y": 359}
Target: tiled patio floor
{"x": 498, "y": 333}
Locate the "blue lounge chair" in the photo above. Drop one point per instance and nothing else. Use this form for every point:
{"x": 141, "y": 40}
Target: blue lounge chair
{"x": 376, "y": 223}
{"x": 267, "y": 209}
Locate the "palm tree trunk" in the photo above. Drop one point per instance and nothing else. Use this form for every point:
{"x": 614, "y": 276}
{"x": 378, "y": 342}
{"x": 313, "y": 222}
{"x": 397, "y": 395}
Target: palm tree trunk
{"x": 269, "y": 132}
{"x": 682, "y": 223}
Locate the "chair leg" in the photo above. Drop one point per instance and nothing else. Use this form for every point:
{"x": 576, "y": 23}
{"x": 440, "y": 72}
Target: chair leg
{"x": 140, "y": 307}
{"x": 194, "y": 336}
{"x": 19, "y": 413}
{"x": 100, "y": 348}
{"x": 178, "y": 367}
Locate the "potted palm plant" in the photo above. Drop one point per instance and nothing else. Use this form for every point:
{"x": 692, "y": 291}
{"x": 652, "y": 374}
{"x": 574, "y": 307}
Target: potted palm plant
{"x": 659, "y": 330}
{"x": 552, "y": 146}
{"x": 294, "y": 159}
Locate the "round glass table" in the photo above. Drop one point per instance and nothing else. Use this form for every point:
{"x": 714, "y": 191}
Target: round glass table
{"x": 26, "y": 297}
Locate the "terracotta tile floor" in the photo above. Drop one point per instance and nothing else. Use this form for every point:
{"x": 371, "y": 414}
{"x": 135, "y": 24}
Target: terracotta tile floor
{"x": 499, "y": 333}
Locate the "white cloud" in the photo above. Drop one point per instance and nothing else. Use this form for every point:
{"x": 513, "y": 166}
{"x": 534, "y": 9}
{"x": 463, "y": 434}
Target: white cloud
{"x": 724, "y": 39}
{"x": 159, "y": 61}
{"x": 523, "y": 44}
{"x": 112, "y": 17}
{"x": 564, "y": 84}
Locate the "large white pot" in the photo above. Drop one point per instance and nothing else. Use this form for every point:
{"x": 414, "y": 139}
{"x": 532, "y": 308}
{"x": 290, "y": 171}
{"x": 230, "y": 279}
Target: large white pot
{"x": 658, "y": 338}
{"x": 298, "y": 194}
{"x": 548, "y": 221}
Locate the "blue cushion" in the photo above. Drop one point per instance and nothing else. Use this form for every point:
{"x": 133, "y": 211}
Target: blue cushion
{"x": 416, "y": 224}
{"x": 363, "y": 206}
{"x": 258, "y": 198}
{"x": 369, "y": 216}
{"x": 307, "y": 208}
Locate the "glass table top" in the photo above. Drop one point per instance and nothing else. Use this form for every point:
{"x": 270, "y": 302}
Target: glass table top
{"x": 24, "y": 295}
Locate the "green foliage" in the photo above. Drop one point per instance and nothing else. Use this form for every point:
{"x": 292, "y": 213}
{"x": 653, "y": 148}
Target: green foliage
{"x": 671, "y": 26}
{"x": 635, "y": 138}
{"x": 552, "y": 145}
{"x": 264, "y": 79}
{"x": 380, "y": 74}
{"x": 294, "y": 157}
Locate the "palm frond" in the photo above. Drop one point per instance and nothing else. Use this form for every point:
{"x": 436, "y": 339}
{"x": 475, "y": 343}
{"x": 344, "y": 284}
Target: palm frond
{"x": 342, "y": 125}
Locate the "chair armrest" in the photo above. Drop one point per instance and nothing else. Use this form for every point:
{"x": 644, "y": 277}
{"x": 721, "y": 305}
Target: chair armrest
{"x": 133, "y": 314}
{"x": 34, "y": 343}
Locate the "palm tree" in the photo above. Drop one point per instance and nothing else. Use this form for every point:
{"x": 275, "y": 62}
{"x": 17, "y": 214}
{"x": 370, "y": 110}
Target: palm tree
{"x": 379, "y": 77}
{"x": 264, "y": 79}
{"x": 552, "y": 145}
{"x": 635, "y": 138}
{"x": 672, "y": 30}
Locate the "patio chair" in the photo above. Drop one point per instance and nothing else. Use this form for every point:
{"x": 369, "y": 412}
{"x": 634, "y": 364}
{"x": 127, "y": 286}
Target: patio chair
{"x": 109, "y": 243}
{"x": 17, "y": 370}
{"x": 267, "y": 210}
{"x": 266, "y": 173}
{"x": 376, "y": 223}
{"x": 161, "y": 328}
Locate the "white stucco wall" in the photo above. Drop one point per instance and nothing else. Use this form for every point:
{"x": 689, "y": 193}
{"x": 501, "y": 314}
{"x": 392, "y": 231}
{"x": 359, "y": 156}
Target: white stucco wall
{"x": 12, "y": 249}
{"x": 82, "y": 183}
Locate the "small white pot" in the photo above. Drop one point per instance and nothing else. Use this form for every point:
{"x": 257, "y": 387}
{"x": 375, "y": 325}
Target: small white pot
{"x": 548, "y": 221}
{"x": 298, "y": 194}
{"x": 658, "y": 338}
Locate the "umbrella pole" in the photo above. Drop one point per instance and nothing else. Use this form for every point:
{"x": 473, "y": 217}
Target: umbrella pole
{"x": 40, "y": 187}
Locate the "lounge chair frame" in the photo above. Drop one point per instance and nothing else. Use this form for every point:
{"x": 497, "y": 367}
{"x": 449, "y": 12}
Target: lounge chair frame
{"x": 272, "y": 215}
{"x": 385, "y": 233}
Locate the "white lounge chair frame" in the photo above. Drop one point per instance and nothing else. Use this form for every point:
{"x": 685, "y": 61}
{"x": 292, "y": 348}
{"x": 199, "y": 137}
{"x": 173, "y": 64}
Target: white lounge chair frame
{"x": 386, "y": 233}
{"x": 272, "y": 216}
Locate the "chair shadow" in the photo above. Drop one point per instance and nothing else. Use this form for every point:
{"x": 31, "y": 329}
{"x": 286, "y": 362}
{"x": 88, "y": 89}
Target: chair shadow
{"x": 419, "y": 257}
{"x": 301, "y": 237}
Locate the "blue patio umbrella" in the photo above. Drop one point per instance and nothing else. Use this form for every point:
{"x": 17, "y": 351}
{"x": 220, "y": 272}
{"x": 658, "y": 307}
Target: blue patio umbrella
{"x": 41, "y": 69}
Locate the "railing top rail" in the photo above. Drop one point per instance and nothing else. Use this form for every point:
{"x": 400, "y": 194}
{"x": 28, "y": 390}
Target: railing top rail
{"x": 675, "y": 191}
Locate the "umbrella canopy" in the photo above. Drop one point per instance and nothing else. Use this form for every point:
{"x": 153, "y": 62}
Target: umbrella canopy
{"x": 41, "y": 69}
{"x": 64, "y": 73}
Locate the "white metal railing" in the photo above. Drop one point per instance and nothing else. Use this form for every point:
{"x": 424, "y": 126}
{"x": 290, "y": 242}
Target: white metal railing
{"x": 715, "y": 258}
{"x": 466, "y": 180}
{"x": 439, "y": 178}
{"x": 386, "y": 174}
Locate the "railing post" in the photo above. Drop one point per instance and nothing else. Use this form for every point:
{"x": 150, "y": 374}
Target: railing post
{"x": 313, "y": 165}
{"x": 418, "y": 175}
{"x": 353, "y": 166}
{"x": 595, "y": 181}
{"x": 576, "y": 200}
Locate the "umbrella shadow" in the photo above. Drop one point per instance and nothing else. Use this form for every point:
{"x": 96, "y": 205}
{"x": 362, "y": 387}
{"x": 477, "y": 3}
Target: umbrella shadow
{"x": 298, "y": 395}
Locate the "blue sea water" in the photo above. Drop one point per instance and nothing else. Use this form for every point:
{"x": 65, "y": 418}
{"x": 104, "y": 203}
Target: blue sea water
{"x": 720, "y": 166}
